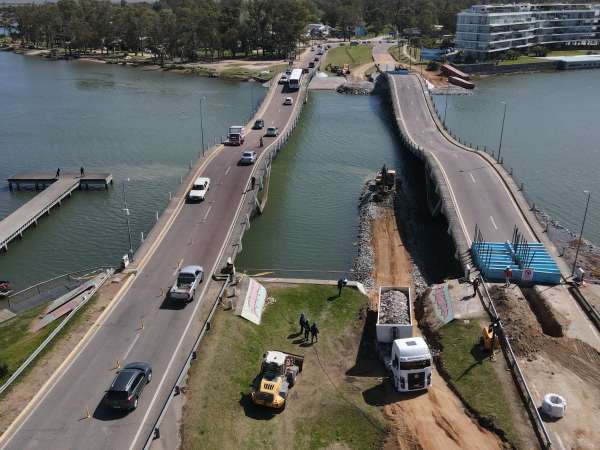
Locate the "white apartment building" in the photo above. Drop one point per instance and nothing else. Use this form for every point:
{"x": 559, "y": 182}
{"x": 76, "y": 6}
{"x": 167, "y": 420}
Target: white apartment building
{"x": 483, "y": 30}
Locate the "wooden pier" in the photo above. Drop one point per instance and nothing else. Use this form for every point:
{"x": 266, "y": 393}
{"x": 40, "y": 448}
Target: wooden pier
{"x": 54, "y": 191}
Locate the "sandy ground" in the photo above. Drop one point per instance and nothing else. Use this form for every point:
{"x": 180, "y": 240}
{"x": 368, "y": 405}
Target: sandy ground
{"x": 358, "y": 72}
{"x": 435, "y": 419}
{"x": 22, "y": 393}
{"x": 561, "y": 365}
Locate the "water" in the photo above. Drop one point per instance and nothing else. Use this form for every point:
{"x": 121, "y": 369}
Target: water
{"x": 141, "y": 126}
{"x": 551, "y": 137}
{"x": 310, "y": 223}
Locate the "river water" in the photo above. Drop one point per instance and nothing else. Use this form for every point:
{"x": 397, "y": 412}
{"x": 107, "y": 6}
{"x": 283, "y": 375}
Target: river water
{"x": 551, "y": 137}
{"x": 138, "y": 125}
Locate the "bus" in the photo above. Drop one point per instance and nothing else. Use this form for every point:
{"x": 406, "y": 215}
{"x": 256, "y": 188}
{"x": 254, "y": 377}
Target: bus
{"x": 295, "y": 79}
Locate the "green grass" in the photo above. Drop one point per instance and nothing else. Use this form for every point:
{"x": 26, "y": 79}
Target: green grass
{"x": 571, "y": 52}
{"x": 17, "y": 342}
{"x": 399, "y": 55}
{"x": 472, "y": 373}
{"x": 318, "y": 413}
{"x": 240, "y": 73}
{"x": 352, "y": 55}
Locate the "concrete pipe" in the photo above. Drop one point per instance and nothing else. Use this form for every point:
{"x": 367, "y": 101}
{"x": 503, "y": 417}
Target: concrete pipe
{"x": 554, "y": 406}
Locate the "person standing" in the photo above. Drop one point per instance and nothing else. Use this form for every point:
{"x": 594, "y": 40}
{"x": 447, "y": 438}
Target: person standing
{"x": 507, "y": 276}
{"x": 342, "y": 282}
{"x": 82, "y": 171}
{"x": 261, "y": 141}
{"x": 57, "y": 173}
{"x": 253, "y": 182}
{"x": 314, "y": 333}
{"x": 302, "y": 322}
{"x": 306, "y": 330}
{"x": 475, "y": 286}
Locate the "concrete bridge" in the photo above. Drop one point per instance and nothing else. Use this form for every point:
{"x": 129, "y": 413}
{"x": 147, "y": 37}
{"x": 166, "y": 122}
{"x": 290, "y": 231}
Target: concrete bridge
{"x": 205, "y": 234}
{"x": 463, "y": 184}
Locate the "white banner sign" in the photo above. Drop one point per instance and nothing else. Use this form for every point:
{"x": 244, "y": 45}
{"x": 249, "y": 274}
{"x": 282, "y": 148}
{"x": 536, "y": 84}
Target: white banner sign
{"x": 254, "y": 303}
{"x": 527, "y": 275}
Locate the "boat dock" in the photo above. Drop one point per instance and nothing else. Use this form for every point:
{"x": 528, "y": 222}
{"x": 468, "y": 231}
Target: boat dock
{"x": 54, "y": 191}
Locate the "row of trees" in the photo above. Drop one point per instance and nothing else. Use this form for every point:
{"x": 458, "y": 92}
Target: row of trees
{"x": 186, "y": 29}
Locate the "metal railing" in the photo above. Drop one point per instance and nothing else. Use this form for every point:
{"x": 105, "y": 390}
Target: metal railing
{"x": 511, "y": 359}
{"x": 175, "y": 390}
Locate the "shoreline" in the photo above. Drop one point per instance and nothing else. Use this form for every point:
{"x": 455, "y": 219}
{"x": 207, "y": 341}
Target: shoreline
{"x": 229, "y": 70}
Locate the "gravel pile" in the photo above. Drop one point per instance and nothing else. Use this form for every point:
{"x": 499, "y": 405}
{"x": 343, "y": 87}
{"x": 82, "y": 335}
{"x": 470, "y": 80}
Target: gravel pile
{"x": 393, "y": 308}
{"x": 356, "y": 88}
{"x": 364, "y": 262}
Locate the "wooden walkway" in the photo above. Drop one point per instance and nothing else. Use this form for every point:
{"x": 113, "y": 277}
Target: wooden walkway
{"x": 54, "y": 191}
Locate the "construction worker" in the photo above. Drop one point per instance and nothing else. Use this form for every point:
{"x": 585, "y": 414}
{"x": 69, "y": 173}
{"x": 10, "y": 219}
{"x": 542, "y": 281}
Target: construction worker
{"x": 57, "y": 173}
{"x": 507, "y": 276}
{"x": 82, "y": 171}
{"x": 475, "y": 286}
{"x": 261, "y": 141}
{"x": 306, "y": 330}
{"x": 302, "y": 322}
{"x": 253, "y": 182}
{"x": 314, "y": 333}
{"x": 342, "y": 282}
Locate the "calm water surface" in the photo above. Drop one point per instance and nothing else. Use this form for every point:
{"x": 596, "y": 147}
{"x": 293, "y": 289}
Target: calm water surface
{"x": 140, "y": 126}
{"x": 551, "y": 137}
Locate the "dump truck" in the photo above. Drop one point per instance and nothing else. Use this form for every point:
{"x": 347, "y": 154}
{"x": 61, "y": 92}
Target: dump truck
{"x": 278, "y": 372}
{"x": 405, "y": 356}
{"x": 236, "y": 135}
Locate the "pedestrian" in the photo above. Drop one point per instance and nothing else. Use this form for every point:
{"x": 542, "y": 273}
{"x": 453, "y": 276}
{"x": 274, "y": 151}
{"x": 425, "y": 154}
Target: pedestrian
{"x": 82, "y": 171}
{"x": 253, "y": 182}
{"x": 507, "y": 276}
{"x": 306, "y": 330}
{"x": 261, "y": 141}
{"x": 302, "y": 321}
{"x": 475, "y": 286}
{"x": 342, "y": 282}
{"x": 314, "y": 333}
{"x": 57, "y": 173}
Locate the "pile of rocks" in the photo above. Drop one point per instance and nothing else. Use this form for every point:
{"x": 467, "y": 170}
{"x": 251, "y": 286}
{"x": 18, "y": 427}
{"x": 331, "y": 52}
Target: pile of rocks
{"x": 356, "y": 88}
{"x": 365, "y": 259}
{"x": 393, "y": 308}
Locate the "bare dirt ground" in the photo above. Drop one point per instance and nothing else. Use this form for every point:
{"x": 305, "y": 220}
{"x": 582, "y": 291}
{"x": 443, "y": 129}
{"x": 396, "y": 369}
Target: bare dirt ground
{"x": 358, "y": 73}
{"x": 21, "y": 394}
{"x": 561, "y": 365}
{"x": 435, "y": 419}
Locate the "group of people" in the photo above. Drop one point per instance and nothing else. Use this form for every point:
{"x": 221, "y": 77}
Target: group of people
{"x": 306, "y": 328}
{"x": 81, "y": 172}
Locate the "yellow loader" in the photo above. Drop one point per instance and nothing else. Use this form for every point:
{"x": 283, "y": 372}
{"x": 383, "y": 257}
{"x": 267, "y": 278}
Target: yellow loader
{"x": 277, "y": 376}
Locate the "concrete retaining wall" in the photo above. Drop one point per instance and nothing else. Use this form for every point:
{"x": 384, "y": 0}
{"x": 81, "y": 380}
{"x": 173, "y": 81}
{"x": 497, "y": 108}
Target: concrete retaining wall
{"x": 493, "y": 69}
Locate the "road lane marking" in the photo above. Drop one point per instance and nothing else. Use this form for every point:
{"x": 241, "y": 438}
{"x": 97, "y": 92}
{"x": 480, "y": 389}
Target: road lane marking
{"x": 227, "y": 171}
{"x": 560, "y": 443}
{"x": 472, "y": 178}
{"x": 493, "y": 222}
{"x": 178, "y": 267}
{"x": 207, "y": 213}
{"x": 135, "y": 339}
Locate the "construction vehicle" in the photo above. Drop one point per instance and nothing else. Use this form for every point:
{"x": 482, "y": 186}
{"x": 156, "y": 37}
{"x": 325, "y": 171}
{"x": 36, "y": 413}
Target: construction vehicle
{"x": 346, "y": 69}
{"x": 406, "y": 357}
{"x": 488, "y": 334}
{"x": 385, "y": 182}
{"x": 236, "y": 135}
{"x": 277, "y": 376}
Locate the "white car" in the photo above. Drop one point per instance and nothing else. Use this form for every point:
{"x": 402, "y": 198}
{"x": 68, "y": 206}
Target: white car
{"x": 248, "y": 158}
{"x": 288, "y": 101}
{"x": 272, "y": 132}
{"x": 187, "y": 281}
{"x": 199, "y": 189}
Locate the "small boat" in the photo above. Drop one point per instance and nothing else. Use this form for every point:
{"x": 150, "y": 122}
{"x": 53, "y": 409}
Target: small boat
{"x": 460, "y": 82}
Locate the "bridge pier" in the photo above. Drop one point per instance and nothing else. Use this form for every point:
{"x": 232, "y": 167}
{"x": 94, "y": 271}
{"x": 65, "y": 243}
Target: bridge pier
{"x": 434, "y": 202}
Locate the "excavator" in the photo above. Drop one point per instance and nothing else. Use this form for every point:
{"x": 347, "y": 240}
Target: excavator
{"x": 277, "y": 376}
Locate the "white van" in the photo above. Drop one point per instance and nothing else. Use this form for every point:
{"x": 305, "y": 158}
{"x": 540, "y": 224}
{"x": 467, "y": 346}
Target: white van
{"x": 199, "y": 189}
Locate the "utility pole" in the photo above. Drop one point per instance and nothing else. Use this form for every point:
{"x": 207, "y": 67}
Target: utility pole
{"x": 446, "y": 102}
{"x": 502, "y": 131}
{"x": 126, "y": 209}
{"x": 202, "y": 124}
{"x": 587, "y": 203}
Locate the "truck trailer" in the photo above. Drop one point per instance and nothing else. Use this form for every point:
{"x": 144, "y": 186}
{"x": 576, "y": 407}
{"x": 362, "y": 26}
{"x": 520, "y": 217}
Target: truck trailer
{"x": 405, "y": 356}
{"x": 236, "y": 135}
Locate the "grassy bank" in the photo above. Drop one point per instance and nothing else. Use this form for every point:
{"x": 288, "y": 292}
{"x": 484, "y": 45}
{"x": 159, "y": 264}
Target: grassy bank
{"x": 352, "y": 55}
{"x": 325, "y": 408}
{"x": 473, "y": 375}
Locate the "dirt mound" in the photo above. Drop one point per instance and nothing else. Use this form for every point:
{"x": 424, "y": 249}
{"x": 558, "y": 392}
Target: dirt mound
{"x": 529, "y": 340}
{"x": 435, "y": 420}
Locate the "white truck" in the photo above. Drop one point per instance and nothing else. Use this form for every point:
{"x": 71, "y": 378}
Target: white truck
{"x": 407, "y": 357}
{"x": 237, "y": 135}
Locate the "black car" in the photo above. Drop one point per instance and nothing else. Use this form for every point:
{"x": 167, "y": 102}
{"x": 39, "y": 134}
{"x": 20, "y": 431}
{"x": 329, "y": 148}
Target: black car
{"x": 258, "y": 125}
{"x": 126, "y": 388}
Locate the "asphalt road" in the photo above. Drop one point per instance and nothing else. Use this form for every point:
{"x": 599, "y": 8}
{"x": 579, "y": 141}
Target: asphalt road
{"x": 480, "y": 196}
{"x": 197, "y": 236}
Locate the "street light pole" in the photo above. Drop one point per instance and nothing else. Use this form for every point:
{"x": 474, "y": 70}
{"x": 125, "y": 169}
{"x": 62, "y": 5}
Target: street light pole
{"x": 446, "y": 103}
{"x": 126, "y": 209}
{"x": 502, "y": 131}
{"x": 587, "y": 203}
{"x": 202, "y": 124}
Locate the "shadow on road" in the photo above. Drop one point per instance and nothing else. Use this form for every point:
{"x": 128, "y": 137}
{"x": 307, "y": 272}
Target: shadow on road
{"x": 105, "y": 413}
{"x": 173, "y": 304}
{"x": 367, "y": 364}
{"x": 384, "y": 394}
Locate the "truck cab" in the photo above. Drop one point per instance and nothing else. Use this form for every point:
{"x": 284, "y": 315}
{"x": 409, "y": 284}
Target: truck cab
{"x": 236, "y": 135}
{"x": 410, "y": 364}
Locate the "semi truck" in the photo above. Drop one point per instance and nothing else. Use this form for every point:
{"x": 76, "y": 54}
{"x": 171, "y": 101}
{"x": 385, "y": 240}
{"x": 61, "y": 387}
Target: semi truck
{"x": 405, "y": 356}
{"x": 237, "y": 135}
